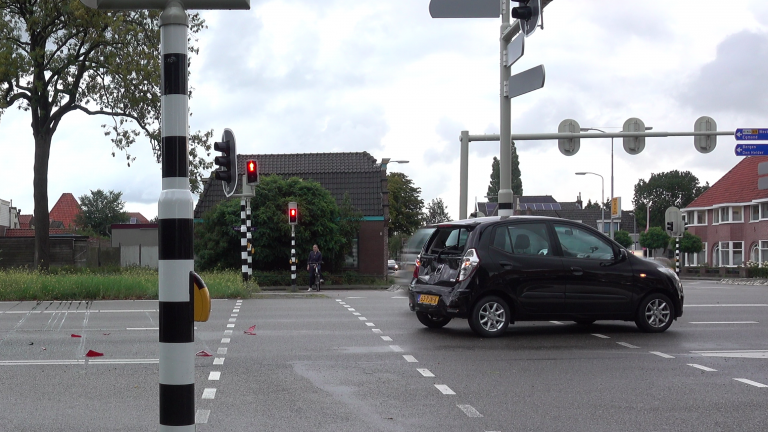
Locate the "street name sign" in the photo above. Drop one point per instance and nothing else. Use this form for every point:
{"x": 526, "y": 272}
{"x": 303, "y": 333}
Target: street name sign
{"x": 745, "y": 134}
{"x": 751, "y": 149}
{"x": 526, "y": 81}
{"x": 465, "y": 8}
{"x": 515, "y": 49}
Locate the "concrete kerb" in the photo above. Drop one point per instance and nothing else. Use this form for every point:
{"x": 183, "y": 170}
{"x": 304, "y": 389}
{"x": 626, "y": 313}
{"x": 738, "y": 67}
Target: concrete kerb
{"x": 303, "y": 289}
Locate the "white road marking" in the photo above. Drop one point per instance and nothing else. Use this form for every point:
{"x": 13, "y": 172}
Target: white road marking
{"x": 426, "y": 373}
{"x": 376, "y": 330}
{"x": 80, "y": 311}
{"x": 750, "y": 382}
{"x": 469, "y": 411}
{"x": 600, "y": 336}
{"x": 201, "y": 416}
{"x": 728, "y": 305}
{"x": 355, "y": 297}
{"x": 236, "y": 310}
{"x": 399, "y": 297}
{"x": 723, "y": 322}
{"x": 342, "y": 303}
{"x": 233, "y": 320}
{"x": 396, "y": 348}
{"x": 628, "y": 345}
{"x": 209, "y": 393}
{"x": 225, "y": 340}
{"x": 230, "y": 326}
{"x": 218, "y": 361}
{"x": 356, "y": 313}
{"x": 40, "y": 362}
{"x": 555, "y": 322}
{"x": 661, "y": 354}
{"x": 227, "y": 332}
{"x": 704, "y": 368}
{"x": 339, "y": 300}
{"x": 233, "y": 315}
{"x": 386, "y": 338}
{"x": 410, "y": 358}
{"x": 762, "y": 354}
{"x": 351, "y": 309}
{"x": 221, "y": 351}
{"x": 124, "y": 361}
{"x": 142, "y": 328}
{"x": 362, "y": 318}
{"x": 444, "y": 389}
{"x": 214, "y": 376}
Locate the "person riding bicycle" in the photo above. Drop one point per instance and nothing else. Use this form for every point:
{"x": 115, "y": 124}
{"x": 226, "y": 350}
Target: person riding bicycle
{"x": 315, "y": 259}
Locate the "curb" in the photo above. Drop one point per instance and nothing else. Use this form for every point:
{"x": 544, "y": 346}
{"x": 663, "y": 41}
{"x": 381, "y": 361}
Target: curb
{"x": 303, "y": 289}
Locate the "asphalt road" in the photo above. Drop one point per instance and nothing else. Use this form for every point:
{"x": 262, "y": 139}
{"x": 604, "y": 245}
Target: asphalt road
{"x": 360, "y": 361}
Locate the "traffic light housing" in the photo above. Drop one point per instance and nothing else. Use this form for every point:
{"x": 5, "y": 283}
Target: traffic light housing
{"x": 522, "y": 12}
{"x": 671, "y": 227}
{"x": 226, "y": 162}
{"x": 528, "y": 13}
{"x": 252, "y": 171}
{"x": 293, "y": 213}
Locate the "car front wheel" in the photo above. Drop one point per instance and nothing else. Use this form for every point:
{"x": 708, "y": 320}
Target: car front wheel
{"x": 655, "y": 313}
{"x": 490, "y": 317}
{"x": 432, "y": 321}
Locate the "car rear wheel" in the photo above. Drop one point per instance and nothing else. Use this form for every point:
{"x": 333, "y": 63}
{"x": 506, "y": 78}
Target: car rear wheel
{"x": 432, "y": 321}
{"x": 490, "y": 317}
{"x": 655, "y": 313}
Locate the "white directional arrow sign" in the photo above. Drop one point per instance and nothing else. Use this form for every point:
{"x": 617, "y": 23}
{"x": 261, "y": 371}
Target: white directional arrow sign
{"x": 526, "y": 81}
{"x": 465, "y": 8}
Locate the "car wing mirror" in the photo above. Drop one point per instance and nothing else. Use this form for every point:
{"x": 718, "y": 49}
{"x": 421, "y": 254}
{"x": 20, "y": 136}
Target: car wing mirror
{"x": 622, "y": 255}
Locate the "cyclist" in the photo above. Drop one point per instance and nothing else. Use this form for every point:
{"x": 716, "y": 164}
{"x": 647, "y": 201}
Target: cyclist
{"x": 315, "y": 259}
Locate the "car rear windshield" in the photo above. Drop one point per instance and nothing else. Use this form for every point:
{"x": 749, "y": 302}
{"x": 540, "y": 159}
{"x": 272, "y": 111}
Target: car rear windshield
{"x": 417, "y": 240}
{"x": 449, "y": 240}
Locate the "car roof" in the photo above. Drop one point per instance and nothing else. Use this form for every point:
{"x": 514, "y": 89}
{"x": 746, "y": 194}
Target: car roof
{"x": 491, "y": 219}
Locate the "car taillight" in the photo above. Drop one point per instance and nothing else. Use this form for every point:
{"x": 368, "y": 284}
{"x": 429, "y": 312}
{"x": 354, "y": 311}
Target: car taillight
{"x": 416, "y": 269}
{"x": 469, "y": 263}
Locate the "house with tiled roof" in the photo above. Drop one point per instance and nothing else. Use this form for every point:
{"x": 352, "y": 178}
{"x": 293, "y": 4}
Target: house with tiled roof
{"x": 358, "y": 174}
{"x": 65, "y": 211}
{"x": 731, "y": 217}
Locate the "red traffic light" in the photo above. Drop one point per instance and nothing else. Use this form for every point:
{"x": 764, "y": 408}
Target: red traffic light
{"x": 252, "y": 171}
{"x": 293, "y": 213}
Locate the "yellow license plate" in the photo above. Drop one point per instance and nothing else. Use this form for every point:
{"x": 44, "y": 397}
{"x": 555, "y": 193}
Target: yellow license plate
{"x": 428, "y": 299}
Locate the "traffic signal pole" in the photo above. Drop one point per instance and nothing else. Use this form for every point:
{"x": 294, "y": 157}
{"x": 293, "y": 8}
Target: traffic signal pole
{"x": 505, "y": 145}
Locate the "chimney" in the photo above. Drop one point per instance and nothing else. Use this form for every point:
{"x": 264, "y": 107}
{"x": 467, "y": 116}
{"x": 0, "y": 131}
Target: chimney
{"x": 579, "y": 202}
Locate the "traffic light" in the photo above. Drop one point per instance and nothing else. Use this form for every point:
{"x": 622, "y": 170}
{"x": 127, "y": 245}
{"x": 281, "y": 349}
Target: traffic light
{"x": 671, "y": 227}
{"x": 293, "y": 213}
{"x": 252, "y": 171}
{"x": 224, "y": 162}
{"x": 528, "y": 13}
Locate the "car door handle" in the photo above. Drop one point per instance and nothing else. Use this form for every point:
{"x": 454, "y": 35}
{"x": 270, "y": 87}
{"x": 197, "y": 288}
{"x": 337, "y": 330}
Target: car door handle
{"x": 577, "y": 270}
{"x": 506, "y": 264}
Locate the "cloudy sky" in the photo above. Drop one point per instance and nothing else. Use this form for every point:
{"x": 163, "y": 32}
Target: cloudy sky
{"x": 297, "y": 76}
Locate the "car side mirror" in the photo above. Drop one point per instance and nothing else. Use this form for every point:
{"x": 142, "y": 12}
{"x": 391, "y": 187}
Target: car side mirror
{"x": 622, "y": 255}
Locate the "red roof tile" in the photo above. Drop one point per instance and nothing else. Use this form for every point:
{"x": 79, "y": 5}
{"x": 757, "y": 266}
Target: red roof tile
{"x": 65, "y": 210}
{"x": 739, "y": 185}
{"x": 25, "y": 220}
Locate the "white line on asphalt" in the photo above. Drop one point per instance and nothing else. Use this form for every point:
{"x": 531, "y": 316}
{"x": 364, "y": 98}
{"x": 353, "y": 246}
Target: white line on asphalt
{"x": 356, "y": 313}
{"x": 124, "y": 361}
{"x": 201, "y": 416}
{"x": 209, "y": 393}
{"x": 233, "y": 320}
{"x": 79, "y": 311}
{"x": 556, "y": 322}
{"x": 704, "y": 368}
{"x": 426, "y": 373}
{"x": 225, "y": 340}
{"x": 40, "y": 362}
{"x": 362, "y": 318}
{"x": 396, "y": 348}
{"x": 227, "y": 332}
{"x": 750, "y": 382}
{"x": 469, "y": 411}
{"x": 410, "y": 358}
{"x": 339, "y": 300}
{"x": 236, "y": 310}
{"x": 728, "y": 305}
{"x": 600, "y": 336}
{"x": 342, "y": 303}
{"x": 230, "y": 326}
{"x": 218, "y": 361}
{"x": 386, "y": 338}
{"x": 233, "y": 315}
{"x": 376, "y": 330}
{"x": 214, "y": 376}
{"x": 355, "y": 297}
{"x": 628, "y": 345}
{"x": 444, "y": 389}
{"x": 396, "y": 297}
{"x": 370, "y": 324}
{"x": 351, "y": 309}
{"x": 735, "y": 354}
{"x": 723, "y": 322}
{"x": 661, "y": 354}
{"x": 142, "y": 328}
{"x": 221, "y": 351}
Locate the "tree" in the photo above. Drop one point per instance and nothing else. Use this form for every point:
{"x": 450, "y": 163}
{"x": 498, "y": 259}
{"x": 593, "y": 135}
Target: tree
{"x": 405, "y": 204}
{"x": 663, "y": 190}
{"x": 436, "y": 212}
{"x": 517, "y": 182}
{"x": 58, "y": 56}
{"x": 623, "y": 238}
{"x": 654, "y": 238}
{"x": 101, "y": 209}
{"x": 689, "y": 243}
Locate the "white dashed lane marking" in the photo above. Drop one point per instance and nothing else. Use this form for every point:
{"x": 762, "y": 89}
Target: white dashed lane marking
{"x": 218, "y": 361}
{"x": 426, "y": 373}
{"x": 444, "y": 389}
{"x": 201, "y": 416}
{"x": 214, "y": 376}
{"x": 396, "y": 348}
{"x": 729, "y": 305}
{"x": 661, "y": 354}
{"x": 356, "y": 313}
{"x": 469, "y": 410}
{"x": 221, "y": 351}
{"x": 750, "y": 382}
{"x": 410, "y": 359}
{"x": 704, "y": 368}
{"x": 376, "y": 330}
{"x": 628, "y": 345}
{"x": 386, "y": 338}
{"x": 227, "y": 332}
{"x": 209, "y": 393}
{"x": 362, "y": 318}
{"x": 735, "y": 354}
{"x": 230, "y": 326}
{"x": 600, "y": 336}
{"x": 370, "y": 324}
{"x": 723, "y": 322}
{"x": 225, "y": 340}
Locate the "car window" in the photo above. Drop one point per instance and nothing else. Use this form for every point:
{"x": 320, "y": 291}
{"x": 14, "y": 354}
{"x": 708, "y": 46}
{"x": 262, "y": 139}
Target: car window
{"x": 449, "y": 240}
{"x": 580, "y": 243}
{"x": 523, "y": 239}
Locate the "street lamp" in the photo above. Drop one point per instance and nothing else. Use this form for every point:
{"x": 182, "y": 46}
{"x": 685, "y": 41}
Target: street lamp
{"x": 602, "y": 198}
{"x": 385, "y": 161}
{"x": 603, "y": 203}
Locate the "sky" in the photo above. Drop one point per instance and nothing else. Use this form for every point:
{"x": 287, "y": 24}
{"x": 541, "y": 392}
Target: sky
{"x": 301, "y": 76}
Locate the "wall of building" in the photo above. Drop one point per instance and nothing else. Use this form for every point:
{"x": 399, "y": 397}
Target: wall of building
{"x": 747, "y": 231}
{"x": 134, "y": 235}
{"x": 372, "y": 245}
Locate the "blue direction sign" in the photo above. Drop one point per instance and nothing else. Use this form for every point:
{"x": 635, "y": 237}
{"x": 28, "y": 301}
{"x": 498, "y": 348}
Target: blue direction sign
{"x": 751, "y": 150}
{"x": 745, "y": 134}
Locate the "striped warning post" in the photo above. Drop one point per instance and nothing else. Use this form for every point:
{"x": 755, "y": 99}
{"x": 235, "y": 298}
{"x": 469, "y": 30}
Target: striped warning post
{"x": 243, "y": 242}
{"x": 249, "y": 237}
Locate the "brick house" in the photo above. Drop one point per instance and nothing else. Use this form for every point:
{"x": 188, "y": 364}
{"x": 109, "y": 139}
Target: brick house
{"x": 357, "y": 173}
{"x": 731, "y": 217}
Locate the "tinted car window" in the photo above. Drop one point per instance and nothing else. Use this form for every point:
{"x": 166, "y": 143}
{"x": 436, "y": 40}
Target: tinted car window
{"x": 523, "y": 239}
{"x": 449, "y": 240}
{"x": 580, "y": 243}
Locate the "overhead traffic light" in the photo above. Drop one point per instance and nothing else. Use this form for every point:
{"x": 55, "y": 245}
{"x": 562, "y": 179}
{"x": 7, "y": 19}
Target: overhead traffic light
{"x": 528, "y": 13}
{"x": 252, "y": 171}
{"x": 293, "y": 213}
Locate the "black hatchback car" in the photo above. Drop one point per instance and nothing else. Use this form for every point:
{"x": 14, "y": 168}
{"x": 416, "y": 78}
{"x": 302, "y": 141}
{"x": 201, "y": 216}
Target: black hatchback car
{"x": 494, "y": 271}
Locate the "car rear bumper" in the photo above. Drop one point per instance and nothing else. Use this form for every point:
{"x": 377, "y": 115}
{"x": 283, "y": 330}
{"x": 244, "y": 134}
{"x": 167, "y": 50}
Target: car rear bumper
{"x": 452, "y": 301}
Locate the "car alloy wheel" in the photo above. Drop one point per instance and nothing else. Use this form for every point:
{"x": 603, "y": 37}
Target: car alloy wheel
{"x": 655, "y": 314}
{"x": 490, "y": 317}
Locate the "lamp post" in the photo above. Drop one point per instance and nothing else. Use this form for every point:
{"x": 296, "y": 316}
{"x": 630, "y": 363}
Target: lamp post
{"x": 384, "y": 162}
{"x": 602, "y": 197}
{"x": 603, "y": 203}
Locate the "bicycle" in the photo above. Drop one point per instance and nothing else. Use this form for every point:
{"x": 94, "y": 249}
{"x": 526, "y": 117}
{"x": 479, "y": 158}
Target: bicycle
{"x": 316, "y": 271}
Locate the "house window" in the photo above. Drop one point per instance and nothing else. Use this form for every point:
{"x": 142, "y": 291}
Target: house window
{"x": 763, "y": 256}
{"x": 731, "y": 253}
{"x": 695, "y": 259}
{"x": 725, "y": 214}
{"x": 716, "y": 254}
{"x": 737, "y": 214}
{"x": 716, "y": 216}
{"x": 763, "y": 210}
{"x": 701, "y": 217}
{"x": 755, "y": 213}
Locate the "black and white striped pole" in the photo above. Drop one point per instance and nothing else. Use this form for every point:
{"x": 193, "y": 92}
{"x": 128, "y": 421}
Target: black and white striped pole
{"x": 677, "y": 256}
{"x": 249, "y": 237}
{"x": 293, "y": 217}
{"x": 244, "y": 234}
{"x": 175, "y": 232}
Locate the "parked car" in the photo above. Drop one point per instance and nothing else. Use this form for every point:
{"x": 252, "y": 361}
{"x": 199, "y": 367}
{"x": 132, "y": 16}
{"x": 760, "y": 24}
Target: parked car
{"x": 392, "y": 266}
{"x": 494, "y": 271}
